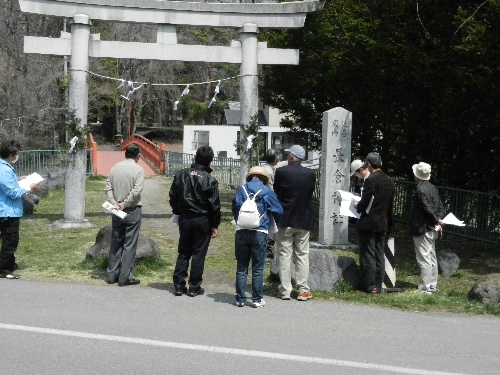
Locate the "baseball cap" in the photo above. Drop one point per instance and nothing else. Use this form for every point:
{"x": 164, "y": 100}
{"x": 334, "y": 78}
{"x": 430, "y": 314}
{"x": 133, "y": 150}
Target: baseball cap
{"x": 355, "y": 165}
{"x": 297, "y": 151}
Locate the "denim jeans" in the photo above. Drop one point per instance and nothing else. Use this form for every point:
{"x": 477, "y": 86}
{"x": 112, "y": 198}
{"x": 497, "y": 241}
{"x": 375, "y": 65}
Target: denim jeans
{"x": 250, "y": 244}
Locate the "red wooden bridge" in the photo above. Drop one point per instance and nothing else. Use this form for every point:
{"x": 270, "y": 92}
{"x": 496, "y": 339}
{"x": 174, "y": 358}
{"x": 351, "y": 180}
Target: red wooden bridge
{"x": 152, "y": 156}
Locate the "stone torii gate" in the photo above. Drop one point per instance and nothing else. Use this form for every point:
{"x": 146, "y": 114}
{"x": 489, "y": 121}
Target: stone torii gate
{"x": 80, "y": 45}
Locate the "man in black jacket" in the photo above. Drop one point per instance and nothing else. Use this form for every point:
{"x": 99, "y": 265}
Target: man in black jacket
{"x": 194, "y": 196}
{"x": 374, "y": 223}
{"x": 426, "y": 217}
{"x": 294, "y": 185}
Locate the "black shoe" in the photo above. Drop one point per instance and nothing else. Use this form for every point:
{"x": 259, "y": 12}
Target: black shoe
{"x": 195, "y": 292}
{"x": 130, "y": 282}
{"x": 109, "y": 281}
{"x": 180, "y": 290}
{"x": 269, "y": 253}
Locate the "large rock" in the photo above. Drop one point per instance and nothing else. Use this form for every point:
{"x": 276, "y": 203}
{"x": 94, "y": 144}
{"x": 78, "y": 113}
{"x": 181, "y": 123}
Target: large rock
{"x": 487, "y": 290}
{"x": 29, "y": 202}
{"x": 326, "y": 270}
{"x": 448, "y": 262}
{"x": 54, "y": 180}
{"x": 146, "y": 247}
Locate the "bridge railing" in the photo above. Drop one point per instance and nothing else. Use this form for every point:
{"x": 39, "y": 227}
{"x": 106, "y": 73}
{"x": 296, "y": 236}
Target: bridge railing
{"x": 150, "y": 151}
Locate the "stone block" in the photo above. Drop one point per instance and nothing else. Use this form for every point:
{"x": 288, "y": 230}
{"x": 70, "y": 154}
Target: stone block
{"x": 448, "y": 262}
{"x": 487, "y": 290}
{"x": 146, "y": 247}
{"x": 29, "y": 202}
{"x": 326, "y": 270}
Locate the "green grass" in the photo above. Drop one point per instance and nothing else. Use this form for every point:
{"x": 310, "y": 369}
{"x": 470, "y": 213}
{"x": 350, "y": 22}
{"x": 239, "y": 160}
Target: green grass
{"x": 59, "y": 255}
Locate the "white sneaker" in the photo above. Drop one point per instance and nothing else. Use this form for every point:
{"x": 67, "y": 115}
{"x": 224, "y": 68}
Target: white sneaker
{"x": 258, "y": 304}
{"x": 240, "y": 304}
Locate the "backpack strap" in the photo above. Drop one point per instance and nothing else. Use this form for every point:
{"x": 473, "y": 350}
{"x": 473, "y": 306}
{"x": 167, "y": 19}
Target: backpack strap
{"x": 246, "y": 192}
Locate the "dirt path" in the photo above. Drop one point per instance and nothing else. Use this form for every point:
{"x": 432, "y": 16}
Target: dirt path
{"x": 156, "y": 217}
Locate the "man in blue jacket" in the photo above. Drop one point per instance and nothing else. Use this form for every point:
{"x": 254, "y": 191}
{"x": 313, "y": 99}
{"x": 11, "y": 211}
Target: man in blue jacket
{"x": 11, "y": 208}
{"x": 252, "y": 243}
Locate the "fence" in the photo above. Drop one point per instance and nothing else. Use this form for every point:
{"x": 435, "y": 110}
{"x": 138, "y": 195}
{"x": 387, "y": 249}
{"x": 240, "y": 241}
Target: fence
{"x": 225, "y": 170}
{"x": 44, "y": 161}
{"x": 479, "y": 211}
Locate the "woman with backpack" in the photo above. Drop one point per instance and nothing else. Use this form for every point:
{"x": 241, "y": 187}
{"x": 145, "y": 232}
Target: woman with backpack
{"x": 252, "y": 206}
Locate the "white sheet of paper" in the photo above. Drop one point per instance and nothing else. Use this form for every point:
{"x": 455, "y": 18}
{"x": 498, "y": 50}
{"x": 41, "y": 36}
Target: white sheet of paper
{"x": 452, "y": 220}
{"x": 33, "y": 178}
{"x": 109, "y": 207}
{"x": 348, "y": 200}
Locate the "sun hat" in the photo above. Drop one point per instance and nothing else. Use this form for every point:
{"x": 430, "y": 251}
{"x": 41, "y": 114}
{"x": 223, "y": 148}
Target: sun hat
{"x": 355, "y": 165}
{"x": 257, "y": 171}
{"x": 422, "y": 171}
{"x": 297, "y": 151}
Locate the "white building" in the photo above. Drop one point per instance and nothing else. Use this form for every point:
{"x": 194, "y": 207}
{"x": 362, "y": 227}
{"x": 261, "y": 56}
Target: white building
{"x": 223, "y": 138}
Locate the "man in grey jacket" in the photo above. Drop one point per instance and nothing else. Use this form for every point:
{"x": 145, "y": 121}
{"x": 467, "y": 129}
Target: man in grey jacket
{"x": 123, "y": 190}
{"x": 425, "y": 222}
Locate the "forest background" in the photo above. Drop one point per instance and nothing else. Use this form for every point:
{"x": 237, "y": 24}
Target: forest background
{"x": 421, "y": 78}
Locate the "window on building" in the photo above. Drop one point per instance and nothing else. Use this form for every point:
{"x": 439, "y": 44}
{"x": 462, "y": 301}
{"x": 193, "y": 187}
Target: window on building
{"x": 200, "y": 138}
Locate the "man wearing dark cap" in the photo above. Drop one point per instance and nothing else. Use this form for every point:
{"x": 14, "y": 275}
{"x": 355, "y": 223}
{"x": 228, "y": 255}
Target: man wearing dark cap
{"x": 194, "y": 196}
{"x": 374, "y": 223}
{"x": 123, "y": 190}
{"x": 294, "y": 185}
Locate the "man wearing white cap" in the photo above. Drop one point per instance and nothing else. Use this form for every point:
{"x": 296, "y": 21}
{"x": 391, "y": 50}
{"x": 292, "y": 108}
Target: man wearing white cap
{"x": 361, "y": 175}
{"x": 360, "y": 171}
{"x": 426, "y": 214}
{"x": 294, "y": 185}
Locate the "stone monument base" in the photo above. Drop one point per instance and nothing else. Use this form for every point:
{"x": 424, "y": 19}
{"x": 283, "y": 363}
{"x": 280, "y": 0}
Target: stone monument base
{"x": 347, "y": 246}
{"x": 62, "y": 224}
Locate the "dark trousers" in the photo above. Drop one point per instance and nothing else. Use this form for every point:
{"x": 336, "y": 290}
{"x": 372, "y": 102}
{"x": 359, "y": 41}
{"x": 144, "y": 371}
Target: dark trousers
{"x": 371, "y": 259}
{"x": 195, "y": 233}
{"x": 9, "y": 230}
{"x": 124, "y": 237}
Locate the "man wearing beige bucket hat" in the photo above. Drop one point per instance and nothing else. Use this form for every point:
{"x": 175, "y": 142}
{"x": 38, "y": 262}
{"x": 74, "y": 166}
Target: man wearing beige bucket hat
{"x": 427, "y": 213}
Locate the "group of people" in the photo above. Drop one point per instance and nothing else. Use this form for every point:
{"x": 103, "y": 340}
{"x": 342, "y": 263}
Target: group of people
{"x": 284, "y": 200}
{"x": 375, "y": 223}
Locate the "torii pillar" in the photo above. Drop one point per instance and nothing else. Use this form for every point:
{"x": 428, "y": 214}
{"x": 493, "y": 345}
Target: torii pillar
{"x": 74, "y": 196}
{"x": 249, "y": 98}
